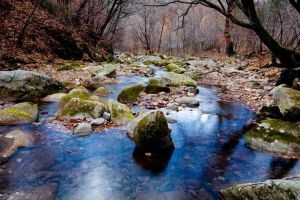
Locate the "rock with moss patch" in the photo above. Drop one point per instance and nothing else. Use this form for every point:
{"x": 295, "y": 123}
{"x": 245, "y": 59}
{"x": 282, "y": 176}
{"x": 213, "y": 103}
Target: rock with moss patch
{"x": 26, "y": 84}
{"x": 130, "y": 94}
{"x": 151, "y": 60}
{"x": 79, "y": 94}
{"x": 288, "y": 101}
{"x": 155, "y": 86}
{"x": 19, "y": 114}
{"x": 54, "y": 97}
{"x": 276, "y": 136}
{"x": 102, "y": 91}
{"x": 120, "y": 113}
{"x": 150, "y": 132}
{"x": 267, "y": 190}
{"x": 174, "y": 79}
{"x": 175, "y": 68}
{"x": 108, "y": 70}
{"x": 78, "y": 109}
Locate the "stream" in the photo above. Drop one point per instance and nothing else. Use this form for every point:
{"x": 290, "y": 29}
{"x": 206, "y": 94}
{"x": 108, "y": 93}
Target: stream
{"x": 209, "y": 155}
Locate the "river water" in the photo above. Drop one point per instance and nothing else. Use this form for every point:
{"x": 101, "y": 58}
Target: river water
{"x": 209, "y": 155}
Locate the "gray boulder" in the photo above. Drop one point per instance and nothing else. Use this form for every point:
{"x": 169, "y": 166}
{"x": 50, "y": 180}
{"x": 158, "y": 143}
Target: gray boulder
{"x": 83, "y": 129}
{"x": 188, "y": 101}
{"x": 26, "y": 84}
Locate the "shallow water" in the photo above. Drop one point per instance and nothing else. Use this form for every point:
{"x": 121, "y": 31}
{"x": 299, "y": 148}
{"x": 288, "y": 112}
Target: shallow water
{"x": 209, "y": 155}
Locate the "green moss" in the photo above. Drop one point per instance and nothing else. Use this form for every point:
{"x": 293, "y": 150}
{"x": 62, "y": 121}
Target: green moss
{"x": 271, "y": 130}
{"x": 16, "y": 113}
{"x": 130, "y": 94}
{"x": 155, "y": 86}
{"x": 82, "y": 95}
{"x": 102, "y": 91}
{"x": 83, "y": 107}
{"x": 119, "y": 112}
{"x": 175, "y": 79}
{"x": 175, "y": 68}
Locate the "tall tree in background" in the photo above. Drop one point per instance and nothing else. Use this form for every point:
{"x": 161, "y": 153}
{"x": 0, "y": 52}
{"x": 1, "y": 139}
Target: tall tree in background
{"x": 228, "y": 27}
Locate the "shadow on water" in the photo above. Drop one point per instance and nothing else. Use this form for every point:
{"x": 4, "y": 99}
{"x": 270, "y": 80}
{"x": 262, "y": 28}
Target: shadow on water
{"x": 209, "y": 155}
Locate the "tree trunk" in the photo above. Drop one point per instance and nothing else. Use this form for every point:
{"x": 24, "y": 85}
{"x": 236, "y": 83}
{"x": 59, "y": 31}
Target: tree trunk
{"x": 229, "y": 43}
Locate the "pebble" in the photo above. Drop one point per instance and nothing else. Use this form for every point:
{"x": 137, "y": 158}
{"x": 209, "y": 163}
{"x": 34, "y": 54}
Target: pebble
{"x": 106, "y": 116}
{"x": 83, "y": 129}
{"x": 98, "y": 122}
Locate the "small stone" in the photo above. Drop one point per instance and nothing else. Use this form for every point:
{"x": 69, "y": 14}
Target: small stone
{"x": 172, "y": 106}
{"x": 83, "y": 129}
{"x": 106, "y": 116}
{"x": 98, "y": 122}
{"x": 188, "y": 101}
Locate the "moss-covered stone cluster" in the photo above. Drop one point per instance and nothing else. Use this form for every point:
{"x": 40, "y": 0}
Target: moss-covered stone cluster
{"x": 130, "y": 94}
{"x": 120, "y": 113}
{"x": 154, "y": 86}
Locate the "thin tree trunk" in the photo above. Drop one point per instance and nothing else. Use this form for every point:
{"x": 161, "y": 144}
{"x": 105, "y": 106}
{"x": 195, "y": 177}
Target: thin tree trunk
{"x": 228, "y": 26}
{"x": 161, "y": 33}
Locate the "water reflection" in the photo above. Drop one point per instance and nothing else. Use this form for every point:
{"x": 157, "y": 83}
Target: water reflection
{"x": 155, "y": 163}
{"x": 279, "y": 167}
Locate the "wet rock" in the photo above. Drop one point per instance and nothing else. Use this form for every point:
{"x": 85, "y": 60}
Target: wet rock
{"x": 155, "y": 86}
{"x": 175, "y": 68}
{"x": 54, "y": 97}
{"x": 26, "y": 84}
{"x": 130, "y": 94}
{"x": 288, "y": 101}
{"x": 19, "y": 113}
{"x": 174, "y": 79}
{"x": 269, "y": 111}
{"x": 267, "y": 190}
{"x": 83, "y": 129}
{"x": 79, "y": 94}
{"x": 277, "y": 136}
{"x": 150, "y": 132}
{"x": 120, "y": 113}
{"x": 296, "y": 84}
{"x": 108, "y": 70}
{"x": 106, "y": 116}
{"x": 188, "y": 101}
{"x": 79, "y": 109}
{"x": 172, "y": 106}
{"x": 10, "y": 142}
{"x": 98, "y": 122}
{"x": 102, "y": 91}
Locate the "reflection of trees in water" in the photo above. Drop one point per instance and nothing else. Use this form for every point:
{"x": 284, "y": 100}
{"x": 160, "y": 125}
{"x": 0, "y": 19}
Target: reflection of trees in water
{"x": 280, "y": 167}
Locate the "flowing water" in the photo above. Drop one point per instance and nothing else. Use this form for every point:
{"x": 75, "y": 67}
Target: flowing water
{"x": 209, "y": 155}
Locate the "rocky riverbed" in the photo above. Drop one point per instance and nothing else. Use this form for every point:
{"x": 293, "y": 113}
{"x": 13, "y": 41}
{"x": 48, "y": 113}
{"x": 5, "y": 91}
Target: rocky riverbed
{"x": 144, "y": 127}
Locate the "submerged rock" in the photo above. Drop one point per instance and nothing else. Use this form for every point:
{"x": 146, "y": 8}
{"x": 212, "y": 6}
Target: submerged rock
{"x": 26, "y": 84}
{"x": 10, "y": 142}
{"x": 83, "y": 129}
{"x": 188, "y": 101}
{"x": 19, "y": 113}
{"x": 108, "y": 70}
{"x": 288, "y": 101}
{"x": 120, "y": 113}
{"x": 155, "y": 86}
{"x": 267, "y": 190}
{"x": 174, "y": 79}
{"x": 130, "y": 94}
{"x": 277, "y": 136}
{"x": 150, "y": 132}
{"x": 79, "y": 109}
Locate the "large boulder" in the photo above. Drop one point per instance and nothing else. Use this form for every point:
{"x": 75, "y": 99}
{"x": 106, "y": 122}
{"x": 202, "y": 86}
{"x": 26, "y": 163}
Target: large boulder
{"x": 150, "y": 132}
{"x": 174, "y": 79}
{"x": 120, "y": 113}
{"x": 83, "y": 129}
{"x": 10, "y": 142}
{"x": 154, "y": 86}
{"x": 288, "y": 101}
{"x": 19, "y": 113}
{"x": 267, "y": 190}
{"x": 276, "y": 136}
{"x": 26, "y": 84}
{"x": 78, "y": 109}
{"x": 108, "y": 70}
{"x": 130, "y": 94}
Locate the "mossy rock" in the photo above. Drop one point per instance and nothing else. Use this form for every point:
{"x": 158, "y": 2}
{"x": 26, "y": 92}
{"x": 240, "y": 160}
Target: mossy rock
{"x": 276, "y": 136}
{"x": 130, "y": 94}
{"x": 288, "y": 101}
{"x": 108, "y": 70}
{"x": 26, "y": 84}
{"x": 79, "y": 109}
{"x": 19, "y": 114}
{"x": 102, "y": 91}
{"x": 267, "y": 190}
{"x": 155, "y": 86}
{"x": 175, "y": 68}
{"x": 80, "y": 94}
{"x": 174, "y": 79}
{"x": 120, "y": 113}
{"x": 150, "y": 132}
{"x": 54, "y": 97}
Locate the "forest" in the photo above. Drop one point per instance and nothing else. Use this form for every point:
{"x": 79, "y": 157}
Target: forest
{"x": 149, "y": 99}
